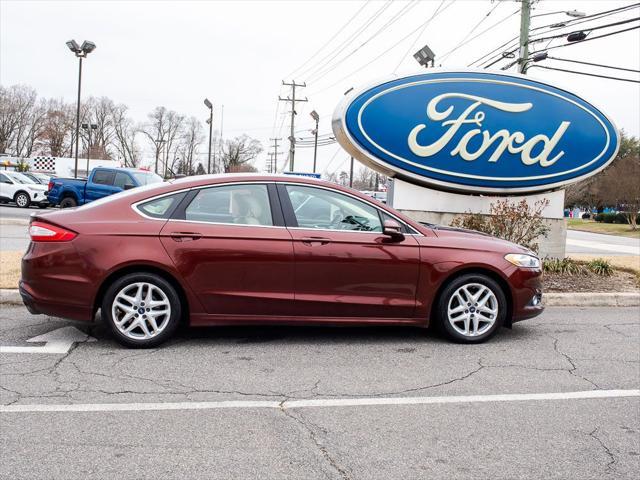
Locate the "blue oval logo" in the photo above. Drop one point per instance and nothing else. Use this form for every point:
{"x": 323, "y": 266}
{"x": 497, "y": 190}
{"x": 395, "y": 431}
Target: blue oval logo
{"x": 476, "y": 132}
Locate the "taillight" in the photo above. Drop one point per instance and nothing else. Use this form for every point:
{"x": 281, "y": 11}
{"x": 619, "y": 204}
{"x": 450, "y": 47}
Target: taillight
{"x": 45, "y": 232}
{"x": 50, "y": 186}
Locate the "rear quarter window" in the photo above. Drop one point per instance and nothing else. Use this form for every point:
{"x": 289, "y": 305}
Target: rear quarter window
{"x": 161, "y": 207}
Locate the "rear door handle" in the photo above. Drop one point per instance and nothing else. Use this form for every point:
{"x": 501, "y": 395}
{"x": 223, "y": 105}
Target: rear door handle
{"x": 185, "y": 236}
{"x": 315, "y": 240}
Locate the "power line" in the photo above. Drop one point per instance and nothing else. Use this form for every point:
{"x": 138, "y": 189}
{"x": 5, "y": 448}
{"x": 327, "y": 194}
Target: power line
{"x": 338, "y": 32}
{"x": 424, "y": 27}
{"x": 475, "y": 27}
{"x": 403, "y": 11}
{"x": 381, "y": 54}
{"x": 588, "y": 39}
{"x": 585, "y": 73}
{"x": 593, "y": 64}
{"x": 336, "y": 51}
{"x": 568, "y": 23}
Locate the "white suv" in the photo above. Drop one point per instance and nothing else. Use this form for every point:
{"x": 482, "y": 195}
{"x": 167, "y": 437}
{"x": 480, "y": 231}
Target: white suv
{"x": 15, "y": 187}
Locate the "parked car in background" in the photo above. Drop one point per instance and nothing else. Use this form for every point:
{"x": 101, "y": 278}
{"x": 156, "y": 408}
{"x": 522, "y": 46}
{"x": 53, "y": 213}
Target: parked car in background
{"x": 41, "y": 178}
{"x": 380, "y": 196}
{"x": 17, "y": 187}
{"x": 102, "y": 182}
{"x": 269, "y": 249}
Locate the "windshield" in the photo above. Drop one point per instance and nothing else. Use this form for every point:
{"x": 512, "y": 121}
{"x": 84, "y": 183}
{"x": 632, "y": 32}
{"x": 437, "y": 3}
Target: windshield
{"x": 20, "y": 178}
{"x": 146, "y": 178}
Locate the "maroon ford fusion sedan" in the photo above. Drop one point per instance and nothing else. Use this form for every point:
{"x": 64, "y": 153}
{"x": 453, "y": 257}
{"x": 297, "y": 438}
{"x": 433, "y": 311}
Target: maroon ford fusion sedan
{"x": 250, "y": 249}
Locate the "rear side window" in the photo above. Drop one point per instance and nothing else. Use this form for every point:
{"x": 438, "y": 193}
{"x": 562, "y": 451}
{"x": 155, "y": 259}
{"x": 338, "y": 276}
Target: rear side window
{"x": 161, "y": 207}
{"x": 103, "y": 177}
{"x": 240, "y": 204}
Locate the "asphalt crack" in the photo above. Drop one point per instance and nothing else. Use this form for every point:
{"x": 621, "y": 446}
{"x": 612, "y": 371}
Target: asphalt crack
{"x": 311, "y": 430}
{"x": 574, "y": 367}
{"x": 609, "y": 468}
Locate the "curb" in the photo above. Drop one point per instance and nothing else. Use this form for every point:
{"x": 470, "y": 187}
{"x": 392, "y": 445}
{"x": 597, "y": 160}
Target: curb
{"x": 11, "y": 296}
{"x": 588, "y": 299}
{"x": 14, "y": 221}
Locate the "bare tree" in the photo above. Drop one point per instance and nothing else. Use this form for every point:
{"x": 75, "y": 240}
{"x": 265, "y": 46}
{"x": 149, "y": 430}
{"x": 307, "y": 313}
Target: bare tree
{"x": 57, "y": 131}
{"x": 124, "y": 136}
{"x": 191, "y": 139}
{"x": 238, "y": 153}
{"x": 16, "y": 106}
{"x": 616, "y": 186}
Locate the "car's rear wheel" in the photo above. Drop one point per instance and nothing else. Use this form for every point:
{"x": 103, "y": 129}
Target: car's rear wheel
{"x": 22, "y": 200}
{"x": 141, "y": 309}
{"x": 471, "y": 308}
{"x": 68, "y": 202}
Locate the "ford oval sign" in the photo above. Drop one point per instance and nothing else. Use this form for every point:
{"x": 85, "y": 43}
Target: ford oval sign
{"x": 476, "y": 132}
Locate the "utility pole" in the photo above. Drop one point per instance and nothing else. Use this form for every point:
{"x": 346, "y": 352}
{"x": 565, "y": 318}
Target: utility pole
{"x": 270, "y": 163}
{"x": 525, "y": 18}
{"x": 293, "y": 100}
{"x": 351, "y": 174}
{"x": 275, "y": 154}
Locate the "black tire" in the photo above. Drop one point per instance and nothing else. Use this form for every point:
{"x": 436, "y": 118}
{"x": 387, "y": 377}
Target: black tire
{"x": 43, "y": 205}
{"x": 22, "y": 199}
{"x": 442, "y": 305}
{"x": 68, "y": 202}
{"x": 150, "y": 278}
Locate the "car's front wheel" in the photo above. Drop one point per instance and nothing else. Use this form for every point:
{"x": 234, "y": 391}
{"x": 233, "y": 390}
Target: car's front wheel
{"x": 22, "y": 200}
{"x": 141, "y": 309}
{"x": 471, "y": 308}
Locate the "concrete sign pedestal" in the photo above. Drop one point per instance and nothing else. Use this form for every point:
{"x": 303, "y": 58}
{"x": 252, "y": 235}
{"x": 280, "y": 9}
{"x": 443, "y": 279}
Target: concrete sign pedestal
{"x": 435, "y": 206}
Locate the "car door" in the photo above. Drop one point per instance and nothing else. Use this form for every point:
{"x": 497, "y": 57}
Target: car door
{"x": 7, "y": 188}
{"x": 230, "y": 245}
{"x": 101, "y": 185}
{"x": 344, "y": 265}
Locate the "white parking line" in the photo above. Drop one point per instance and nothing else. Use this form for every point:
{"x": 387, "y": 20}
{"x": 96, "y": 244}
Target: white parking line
{"x": 333, "y": 402}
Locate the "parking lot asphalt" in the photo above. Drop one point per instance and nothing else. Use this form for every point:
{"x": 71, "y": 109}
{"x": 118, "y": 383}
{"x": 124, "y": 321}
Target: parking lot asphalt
{"x": 219, "y": 402}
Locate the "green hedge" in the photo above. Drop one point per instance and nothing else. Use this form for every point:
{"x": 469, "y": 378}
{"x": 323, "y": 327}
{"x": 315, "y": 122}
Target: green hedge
{"x": 613, "y": 218}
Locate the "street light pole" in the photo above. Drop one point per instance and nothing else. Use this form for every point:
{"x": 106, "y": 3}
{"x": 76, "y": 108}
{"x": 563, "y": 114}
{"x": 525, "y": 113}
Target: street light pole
{"x": 316, "y": 117}
{"x": 209, "y": 105}
{"x": 81, "y": 52}
{"x": 75, "y": 171}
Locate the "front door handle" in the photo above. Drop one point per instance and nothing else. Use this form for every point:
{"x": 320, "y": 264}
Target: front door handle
{"x": 315, "y": 240}
{"x": 185, "y": 236}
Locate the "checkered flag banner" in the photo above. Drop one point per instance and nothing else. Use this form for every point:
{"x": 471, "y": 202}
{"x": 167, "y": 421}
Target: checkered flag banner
{"x": 45, "y": 164}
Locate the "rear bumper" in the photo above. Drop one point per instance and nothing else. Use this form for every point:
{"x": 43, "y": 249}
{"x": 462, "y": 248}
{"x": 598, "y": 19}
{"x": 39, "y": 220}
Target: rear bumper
{"x": 55, "y": 282}
{"x": 38, "y": 306}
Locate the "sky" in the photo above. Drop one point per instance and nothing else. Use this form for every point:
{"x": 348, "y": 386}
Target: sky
{"x": 237, "y": 53}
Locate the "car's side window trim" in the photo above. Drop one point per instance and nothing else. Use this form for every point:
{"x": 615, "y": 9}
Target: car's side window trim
{"x": 287, "y": 208}
{"x": 179, "y": 214}
{"x": 291, "y": 221}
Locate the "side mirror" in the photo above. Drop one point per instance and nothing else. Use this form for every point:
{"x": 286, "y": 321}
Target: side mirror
{"x": 129, "y": 186}
{"x": 392, "y": 229}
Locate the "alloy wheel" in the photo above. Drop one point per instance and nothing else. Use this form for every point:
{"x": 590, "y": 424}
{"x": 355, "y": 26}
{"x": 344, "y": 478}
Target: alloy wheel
{"x": 472, "y": 309}
{"x": 22, "y": 200}
{"x": 141, "y": 310}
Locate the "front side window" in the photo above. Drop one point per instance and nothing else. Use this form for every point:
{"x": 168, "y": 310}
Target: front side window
{"x": 122, "y": 179}
{"x": 103, "y": 177}
{"x": 5, "y": 179}
{"x": 325, "y": 209}
{"x": 20, "y": 178}
{"x": 239, "y": 204}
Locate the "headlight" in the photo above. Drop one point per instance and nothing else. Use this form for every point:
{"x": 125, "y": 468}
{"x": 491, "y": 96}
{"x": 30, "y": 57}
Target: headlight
{"x": 523, "y": 260}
